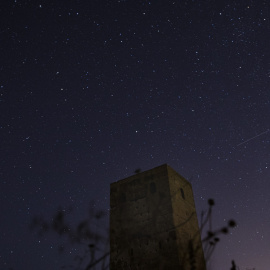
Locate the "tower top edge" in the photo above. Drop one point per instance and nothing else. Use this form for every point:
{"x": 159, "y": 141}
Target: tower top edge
{"x": 163, "y": 167}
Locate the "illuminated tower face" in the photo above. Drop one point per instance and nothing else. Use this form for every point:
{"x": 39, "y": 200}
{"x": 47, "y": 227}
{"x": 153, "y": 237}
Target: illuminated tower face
{"x": 153, "y": 223}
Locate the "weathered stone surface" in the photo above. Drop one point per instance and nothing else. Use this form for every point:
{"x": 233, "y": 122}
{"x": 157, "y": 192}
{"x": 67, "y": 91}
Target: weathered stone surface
{"x": 153, "y": 223}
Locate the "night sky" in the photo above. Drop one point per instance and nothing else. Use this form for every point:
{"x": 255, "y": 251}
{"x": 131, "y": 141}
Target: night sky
{"x": 90, "y": 91}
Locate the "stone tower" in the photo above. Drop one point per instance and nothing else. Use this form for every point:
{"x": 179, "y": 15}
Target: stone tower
{"x": 153, "y": 223}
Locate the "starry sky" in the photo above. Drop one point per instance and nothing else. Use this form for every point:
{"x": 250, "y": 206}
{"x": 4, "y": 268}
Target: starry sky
{"x": 90, "y": 91}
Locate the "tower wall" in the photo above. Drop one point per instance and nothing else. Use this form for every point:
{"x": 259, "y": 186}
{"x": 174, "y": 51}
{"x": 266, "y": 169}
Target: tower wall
{"x": 152, "y": 221}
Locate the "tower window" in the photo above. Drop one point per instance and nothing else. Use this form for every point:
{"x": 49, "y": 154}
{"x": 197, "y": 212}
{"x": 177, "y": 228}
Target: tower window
{"x": 172, "y": 235}
{"x": 152, "y": 187}
{"x": 123, "y": 198}
{"x": 182, "y": 193}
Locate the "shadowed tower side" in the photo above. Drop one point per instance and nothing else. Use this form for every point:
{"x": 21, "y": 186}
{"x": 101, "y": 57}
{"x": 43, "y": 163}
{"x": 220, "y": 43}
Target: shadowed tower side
{"x": 153, "y": 223}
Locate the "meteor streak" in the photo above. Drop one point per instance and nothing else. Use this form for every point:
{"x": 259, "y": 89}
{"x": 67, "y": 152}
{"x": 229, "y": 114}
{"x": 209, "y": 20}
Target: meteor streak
{"x": 254, "y": 137}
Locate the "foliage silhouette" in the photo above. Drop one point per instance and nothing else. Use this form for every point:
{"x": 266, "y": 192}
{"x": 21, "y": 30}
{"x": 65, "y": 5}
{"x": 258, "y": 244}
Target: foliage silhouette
{"x": 96, "y": 255}
{"x": 96, "y": 244}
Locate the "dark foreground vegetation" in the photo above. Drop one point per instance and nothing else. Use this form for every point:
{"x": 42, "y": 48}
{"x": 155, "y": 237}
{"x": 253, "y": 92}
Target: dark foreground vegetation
{"x": 96, "y": 245}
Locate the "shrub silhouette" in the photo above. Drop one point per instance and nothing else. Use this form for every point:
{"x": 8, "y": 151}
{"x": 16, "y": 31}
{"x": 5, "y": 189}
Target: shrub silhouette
{"x": 96, "y": 255}
{"x": 96, "y": 244}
